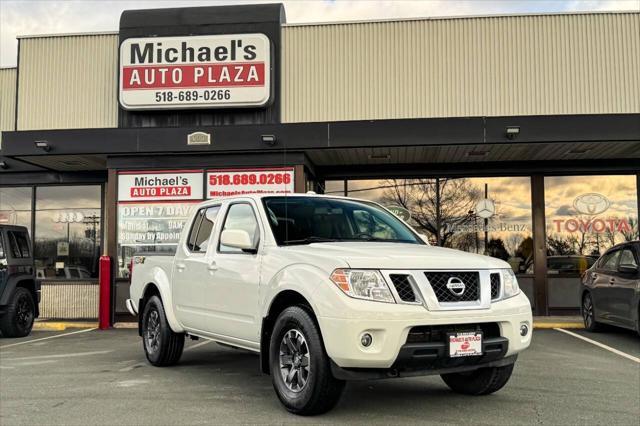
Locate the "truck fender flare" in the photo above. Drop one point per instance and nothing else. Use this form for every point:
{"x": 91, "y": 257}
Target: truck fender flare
{"x": 161, "y": 282}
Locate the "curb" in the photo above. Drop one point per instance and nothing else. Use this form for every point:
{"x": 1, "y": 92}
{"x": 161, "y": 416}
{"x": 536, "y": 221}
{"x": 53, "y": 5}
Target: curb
{"x": 62, "y": 325}
{"x": 549, "y": 325}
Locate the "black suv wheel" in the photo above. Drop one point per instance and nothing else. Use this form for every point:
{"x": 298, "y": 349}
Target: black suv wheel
{"x": 21, "y": 311}
{"x": 479, "y": 382}
{"x": 300, "y": 368}
{"x": 161, "y": 345}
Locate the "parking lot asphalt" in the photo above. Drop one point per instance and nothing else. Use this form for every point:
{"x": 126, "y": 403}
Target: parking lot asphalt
{"x": 101, "y": 377}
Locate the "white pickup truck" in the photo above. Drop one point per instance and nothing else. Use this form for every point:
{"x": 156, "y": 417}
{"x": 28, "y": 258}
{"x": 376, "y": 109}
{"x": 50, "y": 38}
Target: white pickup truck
{"x": 329, "y": 289}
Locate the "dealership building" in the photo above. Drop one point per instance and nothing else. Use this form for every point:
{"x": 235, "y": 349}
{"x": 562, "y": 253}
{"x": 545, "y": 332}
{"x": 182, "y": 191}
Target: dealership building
{"x": 513, "y": 136}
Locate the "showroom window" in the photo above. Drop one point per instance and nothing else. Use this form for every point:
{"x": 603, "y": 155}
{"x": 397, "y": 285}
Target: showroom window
{"x": 481, "y": 215}
{"x": 67, "y": 233}
{"x": 334, "y": 187}
{"x": 15, "y": 206}
{"x": 585, "y": 216}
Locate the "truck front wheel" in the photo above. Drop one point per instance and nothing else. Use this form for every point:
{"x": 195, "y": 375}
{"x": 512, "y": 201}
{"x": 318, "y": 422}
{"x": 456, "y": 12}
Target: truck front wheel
{"x": 479, "y": 382}
{"x": 161, "y": 345}
{"x": 300, "y": 367}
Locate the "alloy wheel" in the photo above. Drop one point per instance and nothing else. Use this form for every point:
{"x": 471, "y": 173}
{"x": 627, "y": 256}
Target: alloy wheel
{"x": 24, "y": 312}
{"x": 587, "y": 311}
{"x": 152, "y": 333}
{"x": 295, "y": 360}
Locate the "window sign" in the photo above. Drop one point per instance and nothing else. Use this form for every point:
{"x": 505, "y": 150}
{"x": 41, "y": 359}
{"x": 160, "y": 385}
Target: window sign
{"x": 158, "y": 186}
{"x": 146, "y": 227}
{"x": 223, "y": 183}
{"x": 213, "y": 71}
{"x": 152, "y": 210}
{"x": 586, "y": 215}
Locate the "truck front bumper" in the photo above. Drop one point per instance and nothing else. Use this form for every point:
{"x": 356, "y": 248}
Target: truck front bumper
{"x": 390, "y": 349}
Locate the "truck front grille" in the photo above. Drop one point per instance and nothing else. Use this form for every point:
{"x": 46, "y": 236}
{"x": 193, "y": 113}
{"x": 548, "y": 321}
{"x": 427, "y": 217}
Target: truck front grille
{"x": 403, "y": 287}
{"x": 495, "y": 285}
{"x": 439, "y": 282}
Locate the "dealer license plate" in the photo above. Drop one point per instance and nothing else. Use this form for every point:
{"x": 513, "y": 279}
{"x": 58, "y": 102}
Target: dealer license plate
{"x": 465, "y": 344}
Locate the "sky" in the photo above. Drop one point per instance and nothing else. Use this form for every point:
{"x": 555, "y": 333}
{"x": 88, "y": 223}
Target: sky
{"x": 31, "y": 17}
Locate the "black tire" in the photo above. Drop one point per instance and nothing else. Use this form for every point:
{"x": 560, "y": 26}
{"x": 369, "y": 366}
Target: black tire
{"x": 161, "y": 345}
{"x": 588, "y": 311}
{"x": 479, "y": 382}
{"x": 20, "y": 314}
{"x": 320, "y": 391}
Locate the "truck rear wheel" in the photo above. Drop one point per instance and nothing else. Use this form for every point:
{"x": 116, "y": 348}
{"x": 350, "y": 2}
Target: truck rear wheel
{"x": 300, "y": 367}
{"x": 161, "y": 345}
{"x": 21, "y": 311}
{"x": 479, "y": 382}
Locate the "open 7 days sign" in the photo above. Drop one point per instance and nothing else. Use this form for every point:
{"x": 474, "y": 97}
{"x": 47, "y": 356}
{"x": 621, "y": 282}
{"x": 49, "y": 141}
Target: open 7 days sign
{"x": 218, "y": 71}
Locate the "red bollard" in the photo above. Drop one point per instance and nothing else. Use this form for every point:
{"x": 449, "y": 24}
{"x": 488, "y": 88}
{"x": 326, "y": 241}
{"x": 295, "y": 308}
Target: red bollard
{"x": 104, "y": 310}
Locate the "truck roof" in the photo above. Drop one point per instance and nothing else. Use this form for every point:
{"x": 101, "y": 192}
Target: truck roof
{"x": 258, "y": 197}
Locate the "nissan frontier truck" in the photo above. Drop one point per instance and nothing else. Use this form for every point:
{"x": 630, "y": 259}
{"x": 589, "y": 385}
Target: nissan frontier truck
{"x": 328, "y": 289}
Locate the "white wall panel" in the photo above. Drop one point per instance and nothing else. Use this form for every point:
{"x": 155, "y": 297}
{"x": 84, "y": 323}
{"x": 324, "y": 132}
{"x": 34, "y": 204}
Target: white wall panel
{"x": 68, "y": 82}
{"x": 489, "y": 66}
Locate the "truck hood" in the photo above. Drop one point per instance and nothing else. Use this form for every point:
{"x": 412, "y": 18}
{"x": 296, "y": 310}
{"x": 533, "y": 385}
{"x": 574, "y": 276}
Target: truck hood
{"x": 378, "y": 255}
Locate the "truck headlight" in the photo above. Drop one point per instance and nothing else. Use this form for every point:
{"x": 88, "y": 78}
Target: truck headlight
{"x": 362, "y": 284}
{"x": 509, "y": 283}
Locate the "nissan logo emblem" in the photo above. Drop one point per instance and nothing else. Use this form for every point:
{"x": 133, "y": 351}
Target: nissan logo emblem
{"x": 591, "y": 203}
{"x": 456, "y": 286}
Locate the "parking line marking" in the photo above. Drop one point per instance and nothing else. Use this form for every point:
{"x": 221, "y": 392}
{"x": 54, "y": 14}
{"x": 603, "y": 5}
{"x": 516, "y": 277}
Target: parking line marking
{"x": 47, "y": 338}
{"x": 75, "y": 354}
{"x": 600, "y": 345}
{"x": 199, "y": 344}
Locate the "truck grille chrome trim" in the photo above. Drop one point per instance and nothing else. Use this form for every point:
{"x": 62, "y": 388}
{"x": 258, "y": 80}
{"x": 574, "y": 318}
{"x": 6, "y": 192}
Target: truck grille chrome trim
{"x": 455, "y": 286}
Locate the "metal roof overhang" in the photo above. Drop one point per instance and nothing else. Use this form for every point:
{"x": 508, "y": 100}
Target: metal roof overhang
{"x": 374, "y": 147}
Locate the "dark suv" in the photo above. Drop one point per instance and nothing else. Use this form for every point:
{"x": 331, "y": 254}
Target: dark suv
{"x": 611, "y": 289}
{"x": 19, "y": 290}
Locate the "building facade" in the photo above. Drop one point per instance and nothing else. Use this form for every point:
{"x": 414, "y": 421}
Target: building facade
{"x": 513, "y": 136}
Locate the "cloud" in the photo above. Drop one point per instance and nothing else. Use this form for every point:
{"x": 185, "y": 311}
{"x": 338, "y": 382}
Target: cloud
{"x": 565, "y": 210}
{"x": 71, "y": 16}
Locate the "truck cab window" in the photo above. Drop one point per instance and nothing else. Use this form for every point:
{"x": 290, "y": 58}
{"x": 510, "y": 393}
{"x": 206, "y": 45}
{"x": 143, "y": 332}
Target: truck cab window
{"x": 200, "y": 234}
{"x": 241, "y": 216}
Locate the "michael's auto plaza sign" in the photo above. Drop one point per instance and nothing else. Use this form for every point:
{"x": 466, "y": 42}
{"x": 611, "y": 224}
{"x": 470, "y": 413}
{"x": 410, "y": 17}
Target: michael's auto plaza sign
{"x": 217, "y": 71}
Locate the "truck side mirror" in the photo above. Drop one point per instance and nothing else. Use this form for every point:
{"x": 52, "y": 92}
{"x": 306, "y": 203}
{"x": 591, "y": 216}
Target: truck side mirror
{"x": 237, "y": 238}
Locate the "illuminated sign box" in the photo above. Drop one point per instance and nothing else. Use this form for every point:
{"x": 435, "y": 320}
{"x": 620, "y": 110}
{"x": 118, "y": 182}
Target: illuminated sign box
{"x": 221, "y": 71}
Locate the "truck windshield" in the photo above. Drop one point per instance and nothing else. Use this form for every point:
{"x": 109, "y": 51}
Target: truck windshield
{"x": 305, "y": 220}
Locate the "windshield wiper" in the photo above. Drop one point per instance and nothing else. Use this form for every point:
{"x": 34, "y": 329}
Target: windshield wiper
{"x": 309, "y": 240}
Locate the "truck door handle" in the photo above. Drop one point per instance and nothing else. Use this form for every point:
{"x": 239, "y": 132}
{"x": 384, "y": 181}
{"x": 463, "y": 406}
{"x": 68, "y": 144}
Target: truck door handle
{"x": 213, "y": 266}
{"x": 612, "y": 281}
{"x": 180, "y": 266}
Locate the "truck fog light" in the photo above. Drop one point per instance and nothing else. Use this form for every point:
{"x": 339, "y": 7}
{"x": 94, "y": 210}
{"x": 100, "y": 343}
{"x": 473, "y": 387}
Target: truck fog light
{"x": 366, "y": 340}
{"x": 524, "y": 330}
